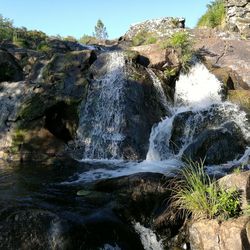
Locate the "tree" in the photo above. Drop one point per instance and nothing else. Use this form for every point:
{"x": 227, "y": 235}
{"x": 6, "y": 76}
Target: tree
{"x": 100, "y": 30}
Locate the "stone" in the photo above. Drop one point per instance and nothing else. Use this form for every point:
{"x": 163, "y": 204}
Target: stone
{"x": 10, "y": 70}
{"x": 230, "y": 55}
{"x": 240, "y": 181}
{"x": 217, "y": 146}
{"x": 240, "y": 97}
{"x": 160, "y": 27}
{"x": 158, "y": 58}
{"x": 214, "y": 235}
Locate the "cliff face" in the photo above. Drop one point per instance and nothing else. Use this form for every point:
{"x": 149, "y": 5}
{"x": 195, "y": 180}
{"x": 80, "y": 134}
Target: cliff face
{"x": 238, "y": 16}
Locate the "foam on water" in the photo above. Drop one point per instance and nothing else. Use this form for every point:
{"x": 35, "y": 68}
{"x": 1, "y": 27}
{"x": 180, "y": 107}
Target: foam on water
{"x": 148, "y": 238}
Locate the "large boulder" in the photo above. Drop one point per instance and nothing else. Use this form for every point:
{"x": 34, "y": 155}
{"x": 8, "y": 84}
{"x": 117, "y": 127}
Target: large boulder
{"x": 158, "y": 58}
{"x": 124, "y": 103}
{"x": 10, "y": 70}
{"x": 39, "y": 117}
{"x": 217, "y": 146}
{"x": 213, "y": 234}
{"x": 226, "y": 57}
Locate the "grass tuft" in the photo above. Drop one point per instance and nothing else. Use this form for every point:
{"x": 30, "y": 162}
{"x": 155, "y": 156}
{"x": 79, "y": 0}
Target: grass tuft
{"x": 198, "y": 195}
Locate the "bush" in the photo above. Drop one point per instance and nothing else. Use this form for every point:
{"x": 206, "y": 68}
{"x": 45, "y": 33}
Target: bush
{"x": 215, "y": 15}
{"x": 198, "y": 195}
{"x": 44, "y": 47}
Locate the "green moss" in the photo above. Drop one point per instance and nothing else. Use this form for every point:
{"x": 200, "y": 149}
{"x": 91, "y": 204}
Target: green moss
{"x": 241, "y": 97}
{"x": 215, "y": 15}
{"x": 33, "y": 108}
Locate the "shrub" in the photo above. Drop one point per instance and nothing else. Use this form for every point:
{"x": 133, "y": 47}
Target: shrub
{"x": 215, "y": 15}
{"x": 197, "y": 194}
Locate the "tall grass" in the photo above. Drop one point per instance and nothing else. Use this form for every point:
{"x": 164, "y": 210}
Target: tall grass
{"x": 214, "y": 16}
{"x": 200, "y": 196}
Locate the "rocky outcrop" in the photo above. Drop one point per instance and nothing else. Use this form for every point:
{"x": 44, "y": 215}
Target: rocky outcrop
{"x": 238, "y": 16}
{"x": 160, "y": 27}
{"x": 39, "y": 116}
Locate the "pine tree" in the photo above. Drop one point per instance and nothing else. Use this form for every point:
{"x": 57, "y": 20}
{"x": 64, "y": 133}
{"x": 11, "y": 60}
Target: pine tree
{"x": 100, "y": 30}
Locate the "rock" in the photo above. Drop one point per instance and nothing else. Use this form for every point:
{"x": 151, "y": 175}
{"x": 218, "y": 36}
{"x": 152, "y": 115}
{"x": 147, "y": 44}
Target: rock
{"x": 217, "y": 146}
{"x": 34, "y": 132}
{"x": 158, "y": 58}
{"x": 10, "y": 70}
{"x": 240, "y": 181}
{"x": 241, "y": 97}
{"x": 160, "y": 27}
{"x": 227, "y": 57}
{"x": 139, "y": 108}
{"x": 238, "y": 16}
{"x": 215, "y": 235}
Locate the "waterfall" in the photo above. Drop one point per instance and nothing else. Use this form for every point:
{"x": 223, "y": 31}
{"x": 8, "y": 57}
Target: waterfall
{"x": 102, "y": 119}
{"x": 198, "y": 107}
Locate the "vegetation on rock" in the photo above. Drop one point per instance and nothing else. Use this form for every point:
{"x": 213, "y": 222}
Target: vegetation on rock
{"x": 143, "y": 38}
{"x": 215, "y": 15}
{"x": 200, "y": 196}
{"x": 182, "y": 43}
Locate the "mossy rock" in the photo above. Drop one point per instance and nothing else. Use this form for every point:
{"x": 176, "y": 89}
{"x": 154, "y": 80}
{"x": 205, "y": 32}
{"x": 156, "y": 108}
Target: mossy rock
{"x": 241, "y": 97}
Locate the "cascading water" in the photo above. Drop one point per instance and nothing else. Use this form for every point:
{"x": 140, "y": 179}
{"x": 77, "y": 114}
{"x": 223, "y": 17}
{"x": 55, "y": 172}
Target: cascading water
{"x": 100, "y": 127}
{"x": 198, "y": 106}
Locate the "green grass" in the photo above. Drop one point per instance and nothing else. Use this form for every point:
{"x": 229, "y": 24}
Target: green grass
{"x": 198, "y": 195}
{"x": 215, "y": 15}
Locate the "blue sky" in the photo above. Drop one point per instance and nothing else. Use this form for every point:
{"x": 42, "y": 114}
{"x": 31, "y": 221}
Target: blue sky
{"x": 78, "y": 17}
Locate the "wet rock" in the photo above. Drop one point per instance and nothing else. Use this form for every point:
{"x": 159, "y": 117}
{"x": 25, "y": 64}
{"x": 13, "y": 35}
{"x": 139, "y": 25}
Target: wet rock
{"x": 227, "y": 235}
{"x": 10, "y": 70}
{"x": 240, "y": 97}
{"x": 217, "y": 146}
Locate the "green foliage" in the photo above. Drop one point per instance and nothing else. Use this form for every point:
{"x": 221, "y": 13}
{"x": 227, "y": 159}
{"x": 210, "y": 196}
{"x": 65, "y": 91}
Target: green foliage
{"x": 100, "y": 31}
{"x": 86, "y": 39}
{"x": 6, "y": 28}
{"x": 70, "y": 39}
{"x": 215, "y": 15}
{"x": 197, "y": 194}
{"x": 143, "y": 38}
{"x": 169, "y": 72}
{"x": 44, "y": 47}
{"x": 183, "y": 44}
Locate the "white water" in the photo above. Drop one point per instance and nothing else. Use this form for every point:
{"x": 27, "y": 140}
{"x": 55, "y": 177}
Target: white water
{"x": 158, "y": 87}
{"x": 148, "y": 238}
{"x": 197, "y": 92}
{"x": 102, "y": 120}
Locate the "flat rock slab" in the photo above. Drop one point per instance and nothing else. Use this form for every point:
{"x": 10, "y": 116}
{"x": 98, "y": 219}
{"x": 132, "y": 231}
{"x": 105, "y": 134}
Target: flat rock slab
{"x": 220, "y": 51}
